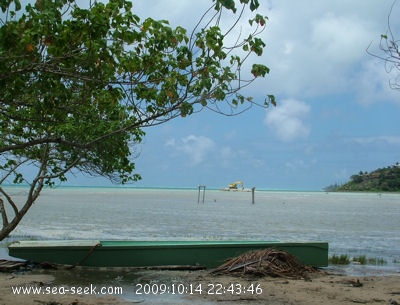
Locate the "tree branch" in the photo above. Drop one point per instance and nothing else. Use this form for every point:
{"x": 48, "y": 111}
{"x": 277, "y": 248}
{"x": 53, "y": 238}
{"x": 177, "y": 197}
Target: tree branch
{"x": 3, "y": 213}
{"x": 9, "y": 200}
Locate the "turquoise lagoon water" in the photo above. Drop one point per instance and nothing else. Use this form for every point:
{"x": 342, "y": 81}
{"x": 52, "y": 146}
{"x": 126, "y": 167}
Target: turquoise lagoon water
{"x": 353, "y": 223}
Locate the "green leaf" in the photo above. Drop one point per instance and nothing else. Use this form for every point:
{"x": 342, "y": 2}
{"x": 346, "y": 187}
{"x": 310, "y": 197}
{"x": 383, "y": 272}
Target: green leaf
{"x": 254, "y": 5}
{"x": 17, "y": 5}
{"x": 228, "y": 4}
{"x": 271, "y": 100}
{"x": 259, "y": 70}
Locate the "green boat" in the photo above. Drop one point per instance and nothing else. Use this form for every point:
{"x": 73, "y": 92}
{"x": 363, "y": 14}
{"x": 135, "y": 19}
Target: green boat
{"x": 118, "y": 253}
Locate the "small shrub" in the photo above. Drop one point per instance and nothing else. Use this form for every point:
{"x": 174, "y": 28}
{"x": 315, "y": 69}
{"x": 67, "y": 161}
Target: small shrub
{"x": 342, "y": 259}
{"x": 362, "y": 259}
{"x": 377, "y": 261}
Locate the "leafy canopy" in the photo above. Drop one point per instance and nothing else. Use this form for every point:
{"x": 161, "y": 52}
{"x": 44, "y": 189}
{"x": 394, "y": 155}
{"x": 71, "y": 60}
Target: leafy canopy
{"x": 78, "y": 84}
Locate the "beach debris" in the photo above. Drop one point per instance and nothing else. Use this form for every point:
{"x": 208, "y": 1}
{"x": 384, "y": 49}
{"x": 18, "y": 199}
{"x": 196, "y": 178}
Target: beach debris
{"x": 352, "y": 283}
{"x": 175, "y": 267}
{"x": 10, "y": 266}
{"x": 267, "y": 262}
{"x": 358, "y": 301}
{"x": 22, "y": 266}
{"x": 356, "y": 283}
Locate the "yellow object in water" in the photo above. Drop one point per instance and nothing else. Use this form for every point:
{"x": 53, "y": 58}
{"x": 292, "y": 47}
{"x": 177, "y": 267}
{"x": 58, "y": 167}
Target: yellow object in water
{"x": 235, "y": 185}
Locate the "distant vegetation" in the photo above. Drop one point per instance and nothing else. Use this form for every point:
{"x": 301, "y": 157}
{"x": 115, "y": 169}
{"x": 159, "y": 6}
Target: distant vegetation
{"x": 381, "y": 180}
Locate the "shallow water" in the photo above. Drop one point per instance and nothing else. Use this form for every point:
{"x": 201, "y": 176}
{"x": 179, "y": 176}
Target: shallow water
{"x": 353, "y": 223}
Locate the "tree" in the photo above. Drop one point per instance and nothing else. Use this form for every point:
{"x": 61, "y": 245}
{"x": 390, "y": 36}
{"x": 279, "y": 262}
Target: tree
{"x": 390, "y": 52}
{"x": 356, "y": 178}
{"x": 78, "y": 86}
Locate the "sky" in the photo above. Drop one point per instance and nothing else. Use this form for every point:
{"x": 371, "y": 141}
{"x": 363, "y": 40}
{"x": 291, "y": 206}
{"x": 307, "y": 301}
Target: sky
{"x": 336, "y": 113}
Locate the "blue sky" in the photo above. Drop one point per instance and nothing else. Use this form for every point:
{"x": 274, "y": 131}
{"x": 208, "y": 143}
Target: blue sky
{"x": 336, "y": 114}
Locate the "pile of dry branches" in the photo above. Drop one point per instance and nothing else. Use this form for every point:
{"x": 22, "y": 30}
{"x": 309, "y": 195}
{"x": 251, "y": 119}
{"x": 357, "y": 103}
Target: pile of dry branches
{"x": 271, "y": 262}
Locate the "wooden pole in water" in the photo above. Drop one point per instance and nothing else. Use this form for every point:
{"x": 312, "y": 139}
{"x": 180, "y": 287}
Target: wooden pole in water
{"x": 204, "y": 193}
{"x": 252, "y": 194}
{"x": 198, "y": 196}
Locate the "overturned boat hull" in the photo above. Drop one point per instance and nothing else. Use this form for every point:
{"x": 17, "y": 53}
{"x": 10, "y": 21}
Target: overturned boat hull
{"x": 121, "y": 253}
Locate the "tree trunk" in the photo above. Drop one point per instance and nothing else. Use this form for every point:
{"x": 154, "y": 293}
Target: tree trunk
{"x": 34, "y": 192}
{"x": 8, "y": 227}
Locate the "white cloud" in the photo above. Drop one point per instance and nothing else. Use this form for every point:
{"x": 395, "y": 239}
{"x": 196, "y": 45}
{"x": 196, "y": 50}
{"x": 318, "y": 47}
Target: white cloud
{"x": 339, "y": 39}
{"x": 196, "y": 148}
{"x": 373, "y": 83}
{"x": 288, "y": 120}
{"x": 315, "y": 49}
{"x": 390, "y": 140}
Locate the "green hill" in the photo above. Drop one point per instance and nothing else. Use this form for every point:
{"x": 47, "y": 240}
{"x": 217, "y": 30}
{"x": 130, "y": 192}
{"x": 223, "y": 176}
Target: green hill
{"x": 380, "y": 180}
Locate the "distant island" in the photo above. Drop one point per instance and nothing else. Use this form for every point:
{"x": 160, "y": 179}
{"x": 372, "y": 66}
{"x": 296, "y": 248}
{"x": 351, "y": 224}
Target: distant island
{"x": 380, "y": 180}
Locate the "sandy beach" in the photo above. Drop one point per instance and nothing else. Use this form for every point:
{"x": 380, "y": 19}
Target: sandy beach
{"x": 318, "y": 288}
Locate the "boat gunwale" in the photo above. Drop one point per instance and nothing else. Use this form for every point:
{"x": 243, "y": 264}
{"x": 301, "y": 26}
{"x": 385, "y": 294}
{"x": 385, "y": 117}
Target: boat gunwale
{"x": 132, "y": 244}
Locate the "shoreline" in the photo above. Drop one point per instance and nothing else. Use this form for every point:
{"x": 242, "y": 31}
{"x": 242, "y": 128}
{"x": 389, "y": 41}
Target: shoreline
{"x": 195, "y": 188}
{"x": 322, "y": 287}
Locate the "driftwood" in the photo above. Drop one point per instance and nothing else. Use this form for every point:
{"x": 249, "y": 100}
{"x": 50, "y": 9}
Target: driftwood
{"x": 268, "y": 262}
{"x": 13, "y": 265}
{"x": 10, "y": 266}
{"x": 175, "y": 267}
